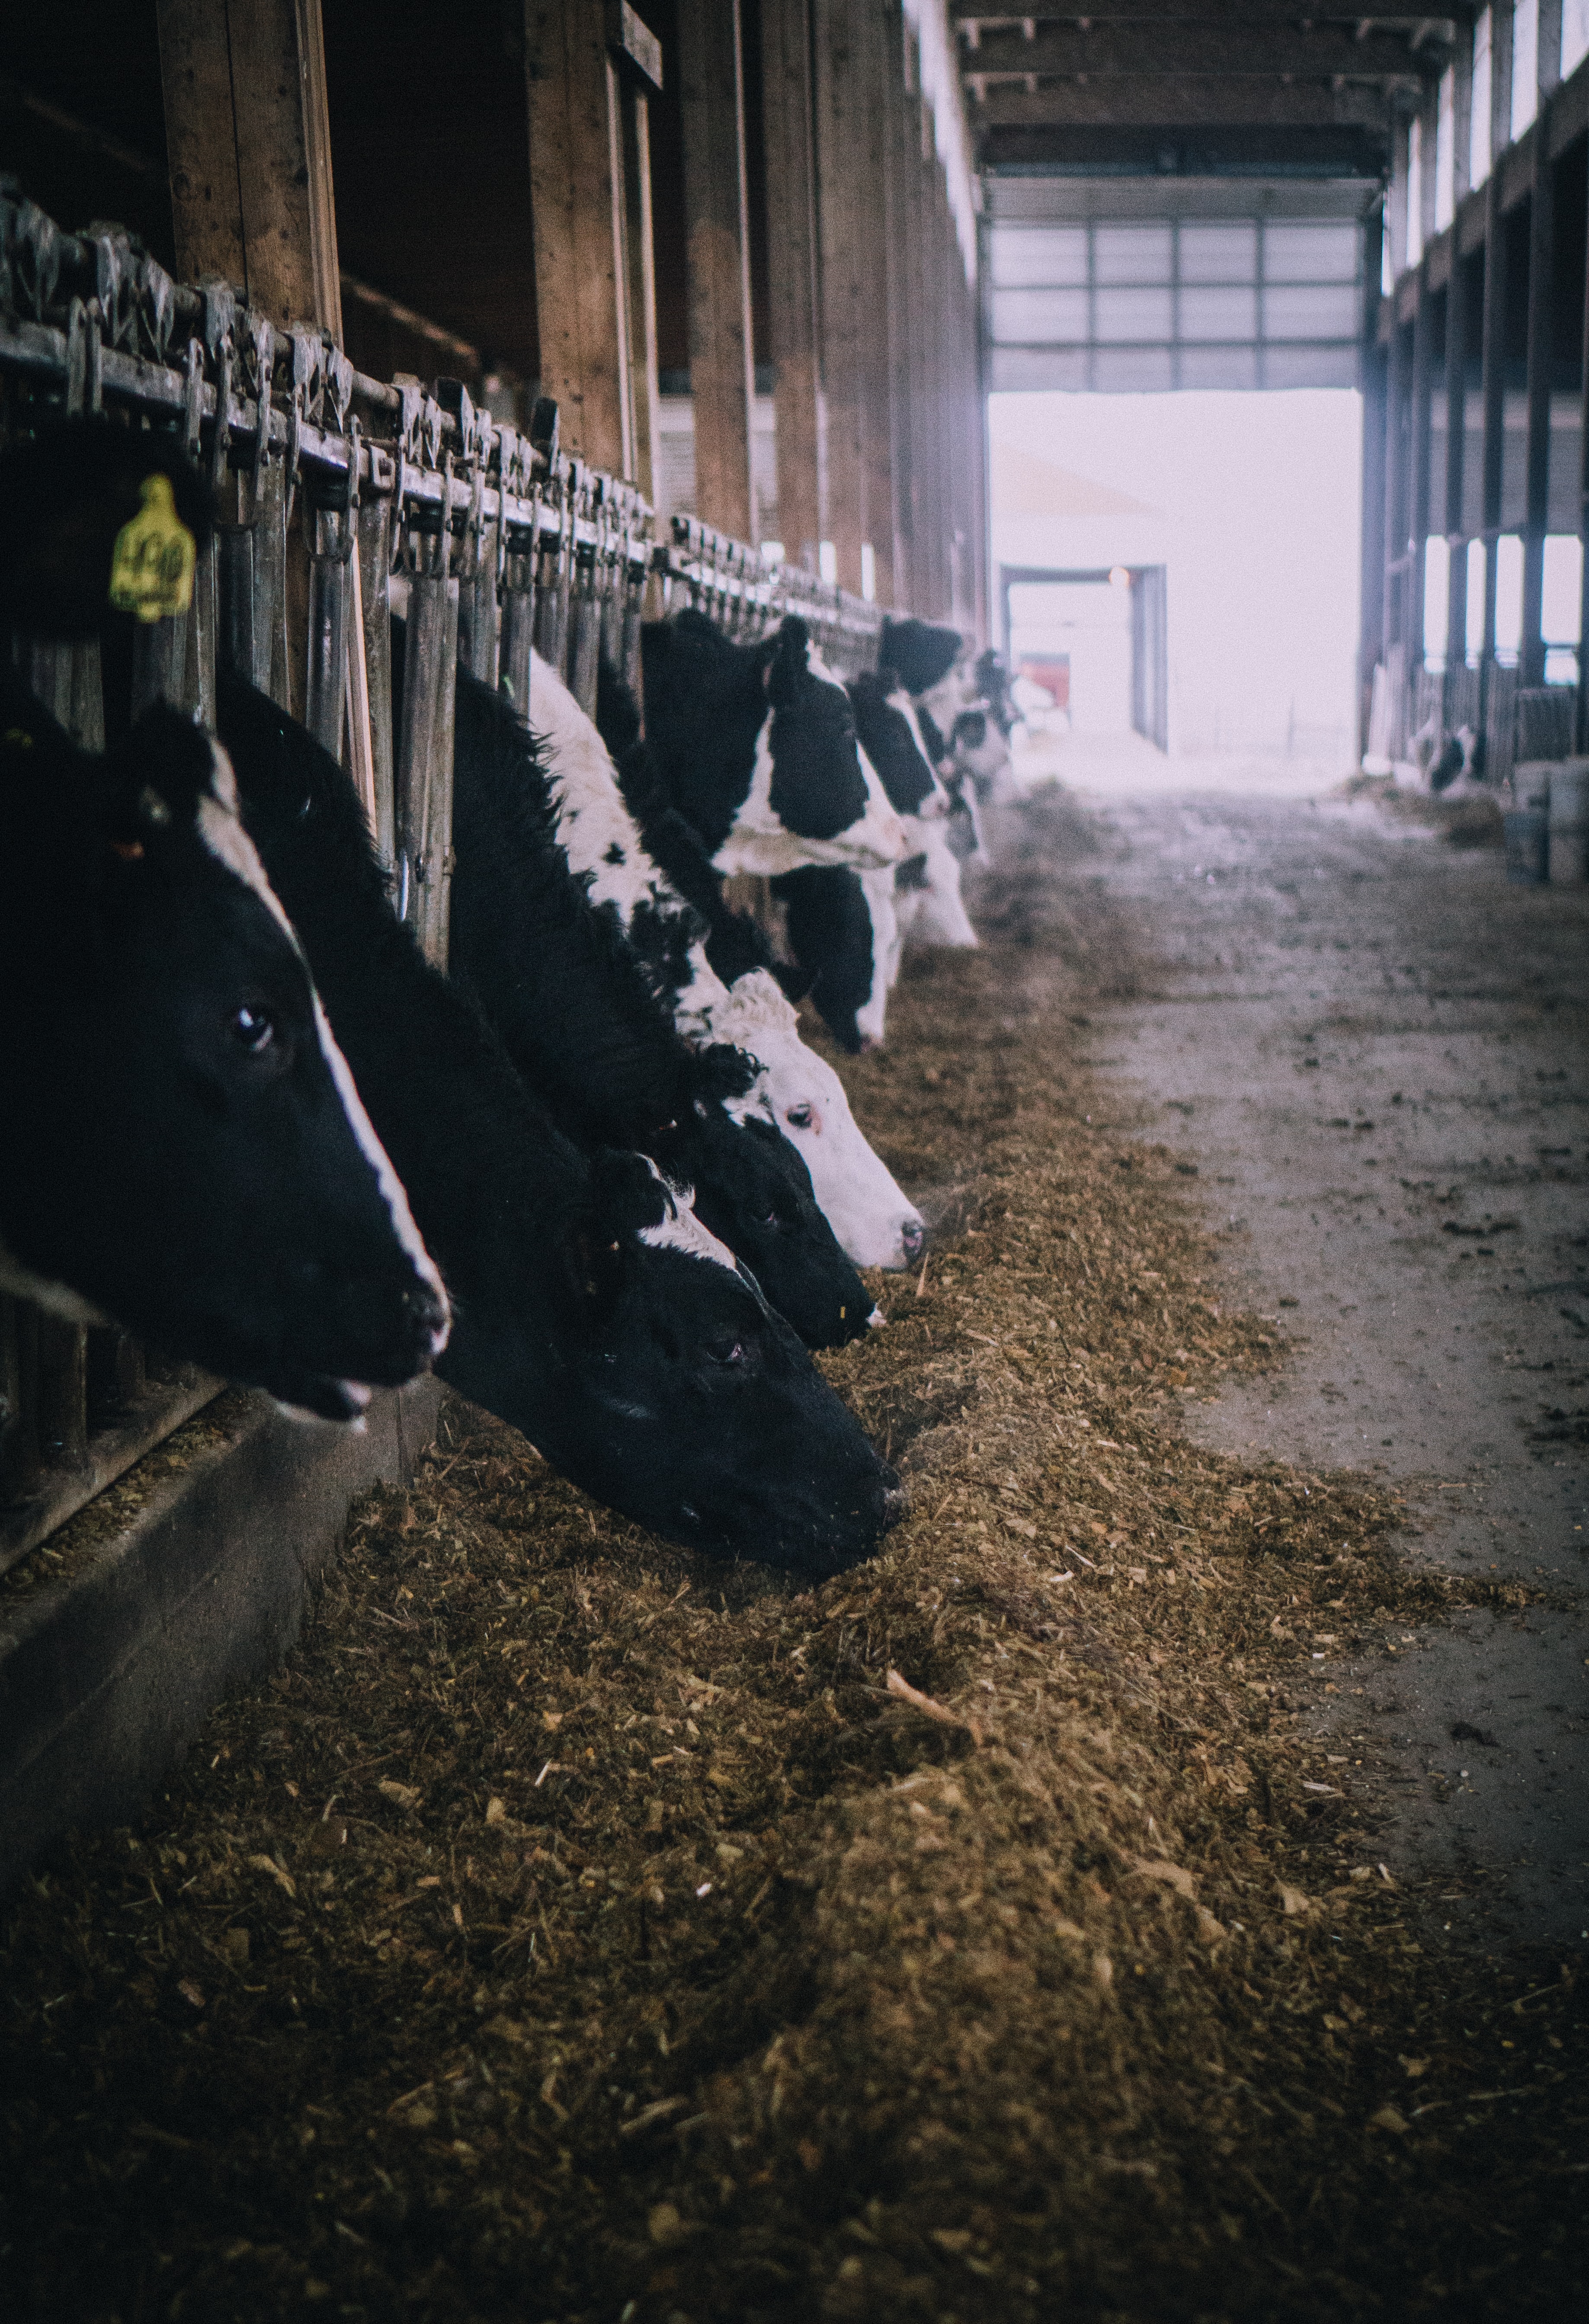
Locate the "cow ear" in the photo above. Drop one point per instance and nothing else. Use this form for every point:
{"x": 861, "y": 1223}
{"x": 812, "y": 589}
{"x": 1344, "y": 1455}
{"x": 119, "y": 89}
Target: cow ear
{"x": 787, "y": 666}
{"x": 98, "y": 517}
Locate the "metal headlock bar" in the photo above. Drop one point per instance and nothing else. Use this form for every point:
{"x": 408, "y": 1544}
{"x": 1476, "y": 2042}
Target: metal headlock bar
{"x": 496, "y": 538}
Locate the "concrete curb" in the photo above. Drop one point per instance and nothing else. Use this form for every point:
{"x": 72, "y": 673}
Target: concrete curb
{"x": 105, "y": 1675}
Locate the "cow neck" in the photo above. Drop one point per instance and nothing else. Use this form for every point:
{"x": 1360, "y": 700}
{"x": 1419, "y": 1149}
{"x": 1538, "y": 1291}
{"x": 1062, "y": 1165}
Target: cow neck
{"x": 488, "y": 1173}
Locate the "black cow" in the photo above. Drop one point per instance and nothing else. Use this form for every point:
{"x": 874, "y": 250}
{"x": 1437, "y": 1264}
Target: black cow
{"x": 593, "y": 1310}
{"x": 557, "y": 977}
{"x": 757, "y": 747}
{"x": 184, "y": 1151}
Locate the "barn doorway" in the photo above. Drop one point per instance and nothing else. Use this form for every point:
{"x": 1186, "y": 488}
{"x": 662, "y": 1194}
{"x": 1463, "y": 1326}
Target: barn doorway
{"x": 1096, "y": 639}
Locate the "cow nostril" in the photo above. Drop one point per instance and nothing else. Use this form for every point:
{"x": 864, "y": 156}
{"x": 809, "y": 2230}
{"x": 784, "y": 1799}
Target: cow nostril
{"x": 913, "y": 1236}
{"x": 896, "y": 1502}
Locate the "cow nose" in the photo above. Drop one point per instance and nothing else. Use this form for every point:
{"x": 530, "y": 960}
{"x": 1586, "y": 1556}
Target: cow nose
{"x": 430, "y": 1314}
{"x": 896, "y": 1503}
{"x": 913, "y": 1239}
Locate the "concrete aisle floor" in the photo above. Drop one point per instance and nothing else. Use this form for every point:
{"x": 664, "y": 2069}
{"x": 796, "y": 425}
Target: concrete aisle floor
{"x": 1372, "y": 1052}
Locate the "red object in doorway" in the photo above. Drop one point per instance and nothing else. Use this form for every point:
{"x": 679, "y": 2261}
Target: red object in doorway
{"x": 1050, "y": 671}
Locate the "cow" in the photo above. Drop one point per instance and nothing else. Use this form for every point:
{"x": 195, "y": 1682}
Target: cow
{"x": 710, "y": 969}
{"x": 846, "y": 929}
{"x": 558, "y": 979}
{"x": 593, "y": 1309}
{"x": 185, "y": 1153}
{"x": 756, "y": 745}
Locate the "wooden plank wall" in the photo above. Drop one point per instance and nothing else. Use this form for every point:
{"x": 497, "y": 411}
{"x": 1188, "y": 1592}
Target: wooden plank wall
{"x": 874, "y": 335}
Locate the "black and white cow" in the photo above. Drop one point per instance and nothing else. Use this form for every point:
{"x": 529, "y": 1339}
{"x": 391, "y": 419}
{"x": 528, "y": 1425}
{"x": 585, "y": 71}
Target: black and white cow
{"x": 593, "y": 1310}
{"x": 846, "y": 929}
{"x": 184, "y": 1151}
{"x": 643, "y": 860}
{"x": 564, "y": 989}
{"x": 757, "y": 747}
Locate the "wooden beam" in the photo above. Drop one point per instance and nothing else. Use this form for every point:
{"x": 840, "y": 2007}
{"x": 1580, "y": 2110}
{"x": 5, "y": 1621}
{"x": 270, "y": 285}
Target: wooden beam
{"x": 898, "y": 123}
{"x": 878, "y": 340}
{"x": 1147, "y": 14}
{"x": 1419, "y": 417}
{"x": 850, "y": 271}
{"x": 712, "y": 89}
{"x": 248, "y": 142}
{"x": 1160, "y": 101}
{"x": 581, "y": 295}
{"x": 1536, "y": 455}
{"x": 644, "y": 393}
{"x": 1223, "y": 47}
{"x": 1492, "y": 388}
{"x": 792, "y": 274}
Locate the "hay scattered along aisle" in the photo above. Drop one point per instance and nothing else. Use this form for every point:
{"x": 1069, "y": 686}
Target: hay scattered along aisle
{"x": 575, "y": 1929}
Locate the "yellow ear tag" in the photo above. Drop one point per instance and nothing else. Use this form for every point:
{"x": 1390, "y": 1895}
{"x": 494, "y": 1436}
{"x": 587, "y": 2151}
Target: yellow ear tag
{"x": 152, "y": 566}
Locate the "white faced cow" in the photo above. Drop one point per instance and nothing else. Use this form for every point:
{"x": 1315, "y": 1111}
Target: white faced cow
{"x": 642, "y": 874}
{"x": 757, "y": 747}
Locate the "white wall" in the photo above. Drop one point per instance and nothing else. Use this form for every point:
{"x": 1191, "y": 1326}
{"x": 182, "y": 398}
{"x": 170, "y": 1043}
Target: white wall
{"x": 1253, "y": 506}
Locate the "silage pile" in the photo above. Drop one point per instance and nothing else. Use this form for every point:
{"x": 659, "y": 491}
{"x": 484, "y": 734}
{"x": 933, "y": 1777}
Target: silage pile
{"x": 577, "y": 1930}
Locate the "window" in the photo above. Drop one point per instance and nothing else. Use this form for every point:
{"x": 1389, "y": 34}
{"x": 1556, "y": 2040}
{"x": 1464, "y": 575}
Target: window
{"x": 1509, "y": 594}
{"x": 1310, "y": 253}
{"x": 1020, "y": 255}
{"x": 1023, "y": 318}
{"x": 1223, "y": 254}
{"x": 1478, "y": 155}
{"x": 1159, "y": 302}
{"x": 1414, "y": 243}
{"x": 1131, "y": 253}
{"x": 1525, "y": 65}
{"x": 1446, "y": 152}
{"x": 1574, "y": 35}
{"x": 1437, "y": 600}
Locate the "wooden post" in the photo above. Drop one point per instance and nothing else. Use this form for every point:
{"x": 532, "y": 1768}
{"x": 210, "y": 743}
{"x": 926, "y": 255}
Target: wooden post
{"x": 642, "y": 287}
{"x": 1583, "y": 720}
{"x": 903, "y": 350}
{"x": 1419, "y": 433}
{"x": 792, "y": 273}
{"x": 250, "y": 146}
{"x": 712, "y": 89}
{"x": 878, "y": 339}
{"x": 1455, "y": 455}
{"x": 848, "y": 272}
{"x": 581, "y": 296}
{"x": 1541, "y": 269}
{"x": 1493, "y": 385}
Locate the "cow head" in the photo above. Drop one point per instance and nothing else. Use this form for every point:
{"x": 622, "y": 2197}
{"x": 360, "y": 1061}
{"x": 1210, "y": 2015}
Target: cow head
{"x": 685, "y": 1403}
{"x": 185, "y": 1151}
{"x": 754, "y": 1192}
{"x": 886, "y": 722}
{"x": 843, "y": 931}
{"x": 801, "y": 1094}
{"x": 920, "y": 654}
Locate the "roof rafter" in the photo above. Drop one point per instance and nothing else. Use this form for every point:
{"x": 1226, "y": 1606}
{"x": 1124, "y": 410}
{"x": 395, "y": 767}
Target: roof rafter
{"x": 1159, "y": 101}
{"x": 1200, "y": 51}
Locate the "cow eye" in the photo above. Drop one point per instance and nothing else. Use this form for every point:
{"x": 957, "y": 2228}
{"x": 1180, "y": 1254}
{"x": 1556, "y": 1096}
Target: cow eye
{"x": 725, "y": 1352}
{"x": 253, "y": 1028}
{"x": 800, "y": 1116}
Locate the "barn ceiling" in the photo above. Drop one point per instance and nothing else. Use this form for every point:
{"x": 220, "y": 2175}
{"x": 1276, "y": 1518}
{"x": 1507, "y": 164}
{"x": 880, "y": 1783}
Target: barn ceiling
{"x": 1192, "y": 87}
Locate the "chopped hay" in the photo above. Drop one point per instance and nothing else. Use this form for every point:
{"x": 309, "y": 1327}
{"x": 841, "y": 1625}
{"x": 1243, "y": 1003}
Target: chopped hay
{"x": 575, "y": 1928}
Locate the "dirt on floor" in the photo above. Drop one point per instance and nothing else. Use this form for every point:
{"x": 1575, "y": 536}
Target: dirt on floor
{"x": 576, "y": 1929}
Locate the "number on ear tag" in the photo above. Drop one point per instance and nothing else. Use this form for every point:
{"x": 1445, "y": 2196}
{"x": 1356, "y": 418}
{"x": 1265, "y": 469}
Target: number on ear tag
{"x": 151, "y": 566}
